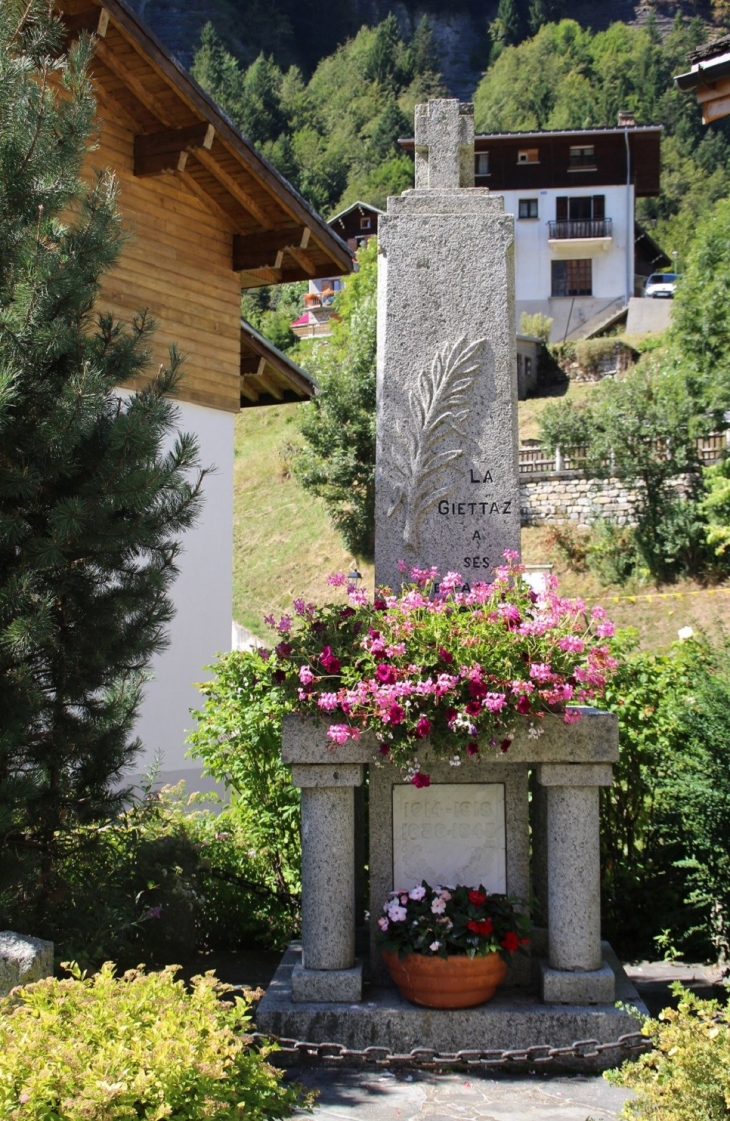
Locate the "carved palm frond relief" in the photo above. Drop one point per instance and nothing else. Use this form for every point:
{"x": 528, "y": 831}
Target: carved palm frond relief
{"x": 437, "y": 407}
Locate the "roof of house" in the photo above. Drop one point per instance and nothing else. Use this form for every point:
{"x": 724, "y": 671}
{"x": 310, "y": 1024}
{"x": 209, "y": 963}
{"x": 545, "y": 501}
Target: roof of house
{"x": 178, "y": 129}
{"x": 583, "y": 133}
{"x": 269, "y": 377}
{"x": 709, "y": 63}
{"x": 356, "y": 206}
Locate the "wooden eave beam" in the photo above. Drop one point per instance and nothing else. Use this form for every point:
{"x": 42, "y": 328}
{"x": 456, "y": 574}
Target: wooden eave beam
{"x": 250, "y": 364}
{"x": 255, "y": 251}
{"x": 242, "y": 197}
{"x": 159, "y": 152}
{"x": 148, "y": 100}
{"x": 94, "y": 20}
{"x": 294, "y": 206}
{"x": 303, "y": 259}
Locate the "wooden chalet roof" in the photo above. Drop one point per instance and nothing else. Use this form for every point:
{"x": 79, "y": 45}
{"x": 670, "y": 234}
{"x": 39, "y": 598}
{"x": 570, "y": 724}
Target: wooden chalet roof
{"x": 276, "y": 236}
{"x": 268, "y": 377}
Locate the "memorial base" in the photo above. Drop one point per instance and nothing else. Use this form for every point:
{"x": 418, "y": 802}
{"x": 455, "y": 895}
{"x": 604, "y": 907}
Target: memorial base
{"x": 325, "y": 986}
{"x": 512, "y": 1019}
{"x": 595, "y": 986}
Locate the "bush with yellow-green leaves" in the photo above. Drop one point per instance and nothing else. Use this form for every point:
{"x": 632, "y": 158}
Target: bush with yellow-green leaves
{"x": 687, "y": 1075}
{"x": 141, "y": 1046}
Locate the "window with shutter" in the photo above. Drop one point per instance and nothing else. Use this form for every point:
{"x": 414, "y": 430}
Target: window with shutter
{"x": 561, "y": 208}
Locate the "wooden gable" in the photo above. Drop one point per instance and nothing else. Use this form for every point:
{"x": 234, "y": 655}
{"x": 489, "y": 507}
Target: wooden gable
{"x": 207, "y": 213}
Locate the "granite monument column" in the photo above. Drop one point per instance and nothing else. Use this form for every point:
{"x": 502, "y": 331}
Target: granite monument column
{"x": 575, "y": 971}
{"x": 447, "y": 488}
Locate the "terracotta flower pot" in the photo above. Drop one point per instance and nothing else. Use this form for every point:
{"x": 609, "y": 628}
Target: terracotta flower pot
{"x": 453, "y": 982}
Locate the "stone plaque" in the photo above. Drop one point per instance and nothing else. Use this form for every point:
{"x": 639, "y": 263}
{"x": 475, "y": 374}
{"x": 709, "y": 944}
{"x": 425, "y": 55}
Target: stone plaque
{"x": 449, "y": 834}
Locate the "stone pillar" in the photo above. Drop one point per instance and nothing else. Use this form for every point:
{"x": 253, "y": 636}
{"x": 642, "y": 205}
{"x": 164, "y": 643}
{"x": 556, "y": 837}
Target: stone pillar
{"x": 328, "y": 971}
{"x": 575, "y": 972}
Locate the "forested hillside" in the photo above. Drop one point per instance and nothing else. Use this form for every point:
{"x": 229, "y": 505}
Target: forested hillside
{"x": 335, "y": 135}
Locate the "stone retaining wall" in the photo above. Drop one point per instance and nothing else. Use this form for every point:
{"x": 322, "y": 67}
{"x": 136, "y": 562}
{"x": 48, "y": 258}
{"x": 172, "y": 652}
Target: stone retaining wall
{"x": 567, "y": 496}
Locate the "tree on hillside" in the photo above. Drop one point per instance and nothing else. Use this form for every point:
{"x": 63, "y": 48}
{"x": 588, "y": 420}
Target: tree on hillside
{"x": 334, "y": 136}
{"x": 95, "y": 486}
{"x": 337, "y": 460}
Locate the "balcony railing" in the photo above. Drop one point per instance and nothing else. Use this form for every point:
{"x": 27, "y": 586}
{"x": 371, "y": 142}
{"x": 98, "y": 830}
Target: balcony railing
{"x": 581, "y": 228}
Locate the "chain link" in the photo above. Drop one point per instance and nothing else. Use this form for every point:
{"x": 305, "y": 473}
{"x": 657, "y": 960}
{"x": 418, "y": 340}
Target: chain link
{"x": 632, "y": 1043}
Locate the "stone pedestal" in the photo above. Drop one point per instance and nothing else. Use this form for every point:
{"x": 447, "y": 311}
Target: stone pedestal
{"x": 575, "y": 971}
{"x": 328, "y": 971}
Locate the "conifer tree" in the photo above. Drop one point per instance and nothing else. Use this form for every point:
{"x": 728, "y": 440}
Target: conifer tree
{"x": 95, "y": 484}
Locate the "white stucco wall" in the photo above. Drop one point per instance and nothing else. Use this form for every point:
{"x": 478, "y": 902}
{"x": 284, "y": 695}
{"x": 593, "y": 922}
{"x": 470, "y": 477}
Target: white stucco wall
{"x": 202, "y": 595}
{"x": 613, "y": 265}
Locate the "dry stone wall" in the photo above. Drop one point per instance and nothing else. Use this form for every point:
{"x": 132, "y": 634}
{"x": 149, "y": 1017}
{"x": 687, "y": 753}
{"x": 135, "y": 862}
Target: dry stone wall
{"x": 568, "y": 496}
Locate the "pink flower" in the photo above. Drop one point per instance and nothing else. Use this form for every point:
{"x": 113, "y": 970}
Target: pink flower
{"x": 523, "y": 705}
{"x": 606, "y": 630}
{"x": 327, "y": 701}
{"x": 396, "y": 913}
{"x": 495, "y": 702}
{"x": 337, "y": 579}
{"x": 420, "y": 780}
{"x": 338, "y": 733}
{"x": 305, "y": 675}
{"x": 572, "y": 644}
{"x": 417, "y": 893}
{"x": 383, "y": 923}
{"x": 434, "y": 947}
{"x": 438, "y": 905}
{"x": 385, "y": 674}
{"x": 541, "y": 671}
{"x": 423, "y": 727}
{"x": 402, "y": 566}
{"x": 571, "y": 716}
{"x": 284, "y": 624}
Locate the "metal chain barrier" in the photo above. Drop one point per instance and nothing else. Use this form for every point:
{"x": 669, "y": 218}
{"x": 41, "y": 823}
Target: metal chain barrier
{"x": 633, "y": 1043}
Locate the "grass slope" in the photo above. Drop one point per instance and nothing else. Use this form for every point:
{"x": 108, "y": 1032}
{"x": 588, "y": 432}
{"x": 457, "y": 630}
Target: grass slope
{"x": 284, "y": 545}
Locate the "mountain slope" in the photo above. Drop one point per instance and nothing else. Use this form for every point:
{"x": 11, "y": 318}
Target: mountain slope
{"x": 303, "y": 34}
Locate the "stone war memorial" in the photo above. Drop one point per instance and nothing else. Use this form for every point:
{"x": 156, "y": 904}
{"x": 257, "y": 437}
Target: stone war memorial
{"x": 524, "y": 822}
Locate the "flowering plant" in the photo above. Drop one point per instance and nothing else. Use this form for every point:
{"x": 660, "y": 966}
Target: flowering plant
{"x": 455, "y": 920}
{"x": 444, "y": 660}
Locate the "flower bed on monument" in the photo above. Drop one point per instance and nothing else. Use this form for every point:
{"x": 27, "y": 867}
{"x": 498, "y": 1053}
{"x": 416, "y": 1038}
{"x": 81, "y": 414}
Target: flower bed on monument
{"x": 449, "y": 947}
{"x": 450, "y": 662}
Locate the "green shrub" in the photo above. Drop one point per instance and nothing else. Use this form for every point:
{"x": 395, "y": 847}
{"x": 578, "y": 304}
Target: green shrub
{"x": 240, "y": 745}
{"x": 140, "y": 1046}
{"x": 537, "y": 325}
{"x": 591, "y": 353}
{"x": 159, "y": 881}
{"x": 687, "y": 1075}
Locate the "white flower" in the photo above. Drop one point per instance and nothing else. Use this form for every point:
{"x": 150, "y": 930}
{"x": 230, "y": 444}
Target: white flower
{"x": 438, "y": 905}
{"x": 455, "y": 762}
{"x": 445, "y": 895}
{"x": 396, "y": 913}
{"x": 383, "y": 923}
{"x": 685, "y": 632}
{"x": 417, "y": 893}
{"x": 434, "y": 947}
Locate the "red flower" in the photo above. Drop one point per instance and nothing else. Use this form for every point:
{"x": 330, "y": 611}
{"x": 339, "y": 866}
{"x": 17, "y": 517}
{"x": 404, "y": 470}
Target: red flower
{"x": 384, "y": 749}
{"x": 420, "y": 780}
{"x": 450, "y": 714}
{"x": 477, "y": 898}
{"x": 472, "y": 748}
{"x": 473, "y": 708}
{"x": 423, "y": 727}
{"x": 477, "y": 690}
{"x": 445, "y": 656}
{"x": 505, "y": 744}
{"x": 347, "y": 612}
{"x": 482, "y": 926}
{"x": 396, "y": 714}
{"x": 329, "y": 661}
{"x": 279, "y": 676}
{"x": 379, "y": 604}
{"x": 283, "y": 650}
{"x": 510, "y": 942}
{"x": 523, "y": 705}
{"x": 385, "y": 674}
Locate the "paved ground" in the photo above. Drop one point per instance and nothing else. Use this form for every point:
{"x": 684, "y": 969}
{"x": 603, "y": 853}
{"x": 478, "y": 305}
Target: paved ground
{"x": 381, "y": 1096}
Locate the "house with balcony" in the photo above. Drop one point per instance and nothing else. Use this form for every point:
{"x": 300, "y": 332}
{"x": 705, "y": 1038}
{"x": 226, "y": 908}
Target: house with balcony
{"x": 355, "y": 225}
{"x": 579, "y": 252}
